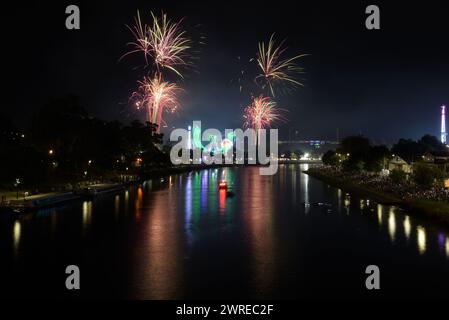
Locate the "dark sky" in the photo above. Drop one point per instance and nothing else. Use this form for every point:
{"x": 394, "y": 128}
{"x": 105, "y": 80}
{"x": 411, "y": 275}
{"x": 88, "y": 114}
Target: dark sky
{"x": 385, "y": 84}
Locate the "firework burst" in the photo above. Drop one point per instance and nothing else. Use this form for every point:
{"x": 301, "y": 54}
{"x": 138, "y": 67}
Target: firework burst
{"x": 169, "y": 44}
{"x": 274, "y": 68}
{"x": 156, "y": 96}
{"x": 261, "y": 113}
{"x": 141, "y": 41}
{"x": 163, "y": 41}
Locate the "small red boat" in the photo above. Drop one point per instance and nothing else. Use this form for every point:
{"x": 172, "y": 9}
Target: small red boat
{"x": 223, "y": 185}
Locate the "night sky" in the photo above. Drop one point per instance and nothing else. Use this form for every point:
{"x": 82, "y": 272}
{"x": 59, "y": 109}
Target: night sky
{"x": 385, "y": 84}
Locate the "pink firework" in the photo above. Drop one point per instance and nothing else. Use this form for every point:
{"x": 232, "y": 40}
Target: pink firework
{"x": 261, "y": 113}
{"x": 157, "y": 96}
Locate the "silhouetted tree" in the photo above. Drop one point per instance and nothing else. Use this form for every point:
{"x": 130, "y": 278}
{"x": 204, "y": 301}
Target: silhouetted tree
{"x": 426, "y": 175}
{"x": 431, "y": 144}
{"x": 330, "y": 158}
{"x": 357, "y": 146}
{"x": 412, "y": 151}
{"x": 376, "y": 158}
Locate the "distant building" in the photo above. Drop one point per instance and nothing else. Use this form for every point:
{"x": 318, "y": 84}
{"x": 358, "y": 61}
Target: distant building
{"x": 428, "y": 158}
{"x": 438, "y": 159}
{"x": 441, "y": 159}
{"x": 314, "y": 148}
{"x": 399, "y": 164}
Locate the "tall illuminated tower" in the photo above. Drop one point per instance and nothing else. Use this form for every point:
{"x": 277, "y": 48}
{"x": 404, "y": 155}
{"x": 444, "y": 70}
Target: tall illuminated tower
{"x": 443, "y": 124}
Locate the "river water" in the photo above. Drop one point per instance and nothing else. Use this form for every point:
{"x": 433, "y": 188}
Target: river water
{"x": 285, "y": 236}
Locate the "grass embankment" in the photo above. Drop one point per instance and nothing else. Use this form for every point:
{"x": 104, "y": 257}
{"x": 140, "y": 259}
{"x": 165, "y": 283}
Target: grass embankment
{"x": 435, "y": 210}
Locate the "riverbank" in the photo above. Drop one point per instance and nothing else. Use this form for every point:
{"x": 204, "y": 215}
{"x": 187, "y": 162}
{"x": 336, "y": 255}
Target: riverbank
{"x": 45, "y": 200}
{"x": 13, "y": 202}
{"x": 437, "y": 211}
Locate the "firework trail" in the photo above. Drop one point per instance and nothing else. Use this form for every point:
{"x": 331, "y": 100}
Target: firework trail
{"x": 274, "y": 68}
{"x": 141, "y": 41}
{"x": 261, "y": 113}
{"x": 163, "y": 41}
{"x": 157, "y": 96}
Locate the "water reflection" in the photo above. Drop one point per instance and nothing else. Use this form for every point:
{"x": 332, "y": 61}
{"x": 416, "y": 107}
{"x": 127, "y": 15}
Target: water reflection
{"x": 196, "y": 199}
{"x": 362, "y": 205}
{"x": 87, "y": 215}
{"x": 293, "y": 184}
{"x": 188, "y": 208}
{"x": 441, "y": 241}
{"x": 421, "y": 239}
{"x": 222, "y": 201}
{"x": 17, "y": 231}
{"x": 126, "y": 202}
{"x": 138, "y": 203}
{"x": 447, "y": 247}
{"x": 407, "y": 227}
{"x": 117, "y": 206}
{"x": 160, "y": 260}
{"x": 204, "y": 189}
{"x": 54, "y": 221}
{"x": 305, "y": 187}
{"x": 392, "y": 224}
{"x": 339, "y": 196}
{"x": 380, "y": 209}
{"x": 347, "y": 202}
{"x": 259, "y": 221}
{"x": 213, "y": 187}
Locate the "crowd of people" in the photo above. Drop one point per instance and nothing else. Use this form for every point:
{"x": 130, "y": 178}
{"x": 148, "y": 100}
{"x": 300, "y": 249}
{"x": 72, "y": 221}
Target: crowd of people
{"x": 407, "y": 189}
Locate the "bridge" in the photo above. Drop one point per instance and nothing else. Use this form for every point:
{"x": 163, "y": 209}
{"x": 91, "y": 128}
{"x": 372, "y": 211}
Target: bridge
{"x": 309, "y": 142}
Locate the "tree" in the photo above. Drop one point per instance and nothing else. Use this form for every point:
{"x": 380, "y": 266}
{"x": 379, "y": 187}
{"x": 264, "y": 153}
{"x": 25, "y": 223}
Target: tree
{"x": 376, "y": 158}
{"x": 356, "y": 150}
{"x": 330, "y": 158}
{"x": 426, "y": 175}
{"x": 397, "y": 176}
{"x": 356, "y": 146}
{"x": 412, "y": 151}
{"x": 358, "y": 154}
{"x": 431, "y": 144}
{"x": 408, "y": 150}
{"x": 353, "y": 164}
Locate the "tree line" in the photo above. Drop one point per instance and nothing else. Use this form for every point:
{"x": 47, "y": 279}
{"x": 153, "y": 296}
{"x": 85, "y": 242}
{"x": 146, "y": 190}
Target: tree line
{"x": 357, "y": 153}
{"x": 64, "y": 143}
